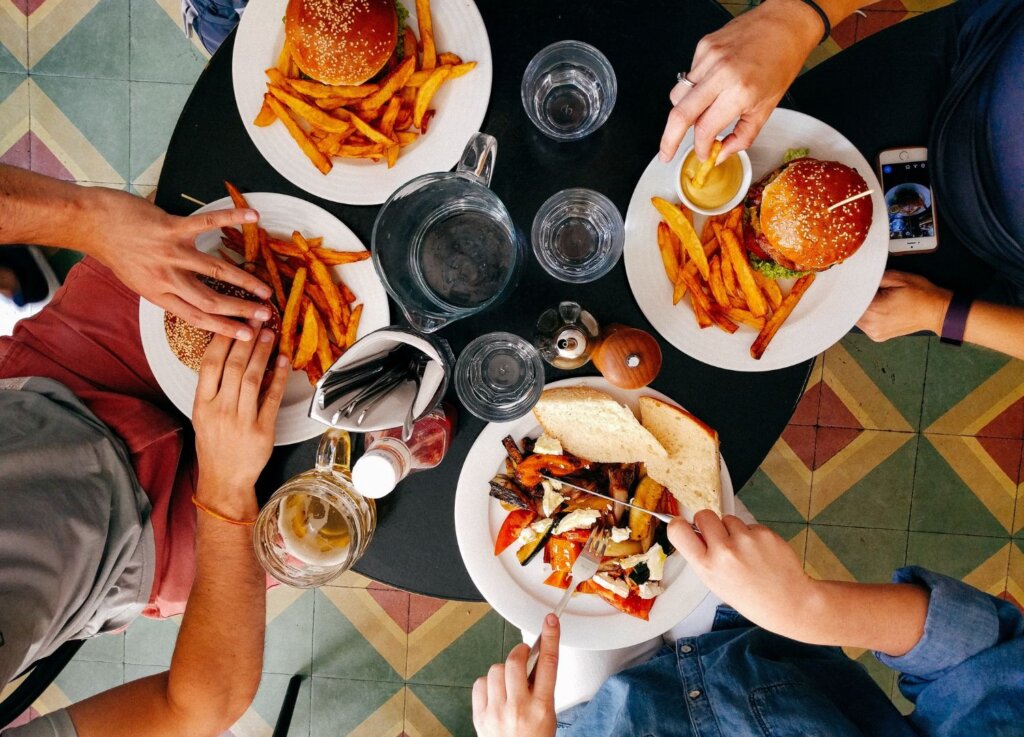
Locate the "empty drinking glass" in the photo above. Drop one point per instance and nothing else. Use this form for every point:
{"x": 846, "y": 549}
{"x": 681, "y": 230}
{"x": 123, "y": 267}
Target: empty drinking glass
{"x": 578, "y": 235}
{"x": 569, "y": 90}
{"x": 499, "y": 377}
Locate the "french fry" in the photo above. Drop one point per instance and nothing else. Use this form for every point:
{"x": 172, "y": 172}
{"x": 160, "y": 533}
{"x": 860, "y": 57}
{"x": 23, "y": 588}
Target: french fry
{"x": 336, "y": 327}
{"x": 366, "y": 129}
{"x": 700, "y": 177}
{"x": 679, "y": 225}
{"x": 265, "y": 116}
{"x": 417, "y": 79}
{"x": 392, "y": 154}
{"x": 272, "y": 271}
{"x": 732, "y": 287}
{"x": 308, "y": 339}
{"x": 745, "y": 317}
{"x": 284, "y": 59}
{"x": 731, "y": 249}
{"x": 390, "y": 85}
{"x": 771, "y": 327}
{"x": 330, "y": 91}
{"x": 346, "y": 293}
{"x": 323, "y": 346}
{"x": 374, "y": 151}
{"x": 668, "y": 256}
{"x": 387, "y": 120}
{"x": 698, "y": 300}
{"x": 353, "y": 326}
{"x": 447, "y": 58}
{"x": 290, "y": 320}
{"x": 769, "y": 287}
{"x": 340, "y": 258}
{"x": 321, "y": 162}
{"x": 691, "y": 268}
{"x": 320, "y": 275}
{"x": 313, "y": 372}
{"x": 717, "y": 284}
{"x": 249, "y": 232}
{"x": 426, "y": 34}
{"x": 311, "y": 114}
{"x": 680, "y": 286}
{"x": 732, "y": 220}
{"x": 717, "y": 315}
{"x": 406, "y": 137}
{"x": 425, "y": 93}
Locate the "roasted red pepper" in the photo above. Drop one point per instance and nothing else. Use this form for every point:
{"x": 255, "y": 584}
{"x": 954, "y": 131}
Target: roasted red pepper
{"x": 517, "y": 521}
{"x": 633, "y": 605}
{"x": 528, "y": 472}
{"x": 562, "y": 553}
{"x": 559, "y": 579}
{"x": 576, "y": 536}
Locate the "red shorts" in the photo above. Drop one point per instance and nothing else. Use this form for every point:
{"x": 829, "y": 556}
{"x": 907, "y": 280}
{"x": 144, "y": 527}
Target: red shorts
{"x": 87, "y": 338}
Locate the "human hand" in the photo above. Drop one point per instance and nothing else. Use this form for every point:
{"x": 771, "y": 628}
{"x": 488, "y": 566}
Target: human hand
{"x": 749, "y": 567}
{"x": 905, "y": 303}
{"x": 234, "y": 426}
{"x": 153, "y": 253}
{"x": 740, "y": 71}
{"x": 505, "y": 704}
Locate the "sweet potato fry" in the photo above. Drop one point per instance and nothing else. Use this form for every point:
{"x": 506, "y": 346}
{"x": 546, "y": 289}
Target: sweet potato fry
{"x": 425, "y": 93}
{"x": 769, "y": 287}
{"x": 346, "y": 293}
{"x": 323, "y": 346}
{"x": 340, "y": 258}
{"x": 290, "y": 320}
{"x": 320, "y": 275}
{"x": 249, "y": 232}
{"x": 684, "y": 231}
{"x": 771, "y": 327}
{"x": 751, "y": 292}
{"x": 426, "y": 34}
{"x": 321, "y": 162}
{"x": 353, "y": 326}
{"x": 336, "y": 327}
{"x": 308, "y": 339}
{"x": 669, "y": 259}
{"x": 313, "y": 372}
{"x": 390, "y": 85}
{"x": 272, "y": 271}
{"x": 311, "y": 114}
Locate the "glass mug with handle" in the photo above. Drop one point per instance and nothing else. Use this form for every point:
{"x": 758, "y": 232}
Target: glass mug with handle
{"x": 444, "y": 245}
{"x": 316, "y": 526}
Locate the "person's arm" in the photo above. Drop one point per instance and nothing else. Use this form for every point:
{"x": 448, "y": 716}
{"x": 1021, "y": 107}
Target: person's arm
{"x": 742, "y": 71}
{"x": 907, "y": 303}
{"x": 218, "y": 657}
{"x": 755, "y": 571}
{"x": 152, "y": 252}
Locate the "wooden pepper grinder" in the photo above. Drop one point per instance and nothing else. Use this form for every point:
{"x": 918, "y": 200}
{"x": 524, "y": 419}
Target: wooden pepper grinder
{"x": 568, "y": 337}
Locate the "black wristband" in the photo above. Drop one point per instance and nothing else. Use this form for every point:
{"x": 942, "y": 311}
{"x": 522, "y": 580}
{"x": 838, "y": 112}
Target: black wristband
{"x": 955, "y": 323}
{"x": 824, "y": 19}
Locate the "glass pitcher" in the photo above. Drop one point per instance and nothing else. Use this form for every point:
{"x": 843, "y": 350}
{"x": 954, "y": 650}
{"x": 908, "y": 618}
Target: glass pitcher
{"x": 316, "y": 526}
{"x": 444, "y": 245}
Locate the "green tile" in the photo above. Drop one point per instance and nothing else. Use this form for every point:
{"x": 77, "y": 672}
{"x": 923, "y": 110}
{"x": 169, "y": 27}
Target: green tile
{"x": 790, "y": 531}
{"x": 511, "y": 637}
{"x": 80, "y": 679}
{"x": 155, "y": 108}
{"x": 150, "y": 642}
{"x": 897, "y": 368}
{"x": 767, "y": 503}
{"x": 160, "y": 52}
{"x": 953, "y": 555}
{"x": 881, "y": 498}
{"x": 453, "y": 706}
{"x": 135, "y": 672}
{"x": 105, "y": 648}
{"x": 871, "y": 555}
{"x": 340, "y": 705}
{"x": 10, "y": 82}
{"x": 953, "y": 373}
{"x": 468, "y": 658}
{"x": 289, "y": 648}
{"x": 900, "y": 701}
{"x": 270, "y": 696}
{"x": 340, "y": 651}
{"x": 943, "y": 501}
{"x": 96, "y": 46}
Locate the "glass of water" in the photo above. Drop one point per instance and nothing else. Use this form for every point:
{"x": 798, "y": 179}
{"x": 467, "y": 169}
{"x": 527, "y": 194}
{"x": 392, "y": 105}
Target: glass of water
{"x": 499, "y": 377}
{"x": 569, "y": 90}
{"x": 578, "y": 235}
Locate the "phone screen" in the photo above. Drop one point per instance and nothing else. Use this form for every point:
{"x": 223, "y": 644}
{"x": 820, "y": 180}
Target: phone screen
{"x": 908, "y": 200}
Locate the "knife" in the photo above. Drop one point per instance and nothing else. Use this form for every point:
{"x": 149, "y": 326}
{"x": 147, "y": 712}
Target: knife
{"x": 666, "y": 518}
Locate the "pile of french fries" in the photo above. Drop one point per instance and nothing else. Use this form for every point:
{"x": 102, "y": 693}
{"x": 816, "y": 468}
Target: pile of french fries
{"x": 367, "y": 121}
{"x": 319, "y": 317}
{"x": 725, "y": 290}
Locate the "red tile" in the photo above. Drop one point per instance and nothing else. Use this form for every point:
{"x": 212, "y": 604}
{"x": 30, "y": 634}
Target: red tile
{"x": 394, "y": 603}
{"x": 845, "y": 33}
{"x": 832, "y": 412}
{"x": 890, "y": 5}
{"x": 44, "y": 161}
{"x": 18, "y": 154}
{"x": 27, "y": 6}
{"x": 1008, "y": 424}
{"x": 801, "y": 440}
{"x": 874, "y": 21}
{"x": 830, "y": 441}
{"x": 806, "y": 412}
{"x": 422, "y": 608}
{"x": 1006, "y": 453}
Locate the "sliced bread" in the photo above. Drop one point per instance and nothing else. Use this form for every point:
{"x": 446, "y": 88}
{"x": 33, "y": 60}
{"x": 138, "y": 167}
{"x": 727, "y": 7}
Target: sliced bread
{"x": 691, "y": 471}
{"x": 593, "y": 426}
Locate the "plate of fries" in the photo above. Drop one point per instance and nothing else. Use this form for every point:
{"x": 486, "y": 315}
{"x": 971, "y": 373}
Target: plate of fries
{"x": 692, "y": 280}
{"x": 358, "y": 144}
{"x": 318, "y": 322}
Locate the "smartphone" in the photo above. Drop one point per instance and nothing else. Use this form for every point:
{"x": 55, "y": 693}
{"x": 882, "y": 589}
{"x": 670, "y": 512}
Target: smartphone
{"x": 909, "y": 202}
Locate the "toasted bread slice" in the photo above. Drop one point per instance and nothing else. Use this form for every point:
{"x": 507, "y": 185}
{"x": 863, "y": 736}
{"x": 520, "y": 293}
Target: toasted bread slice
{"x": 593, "y": 426}
{"x": 691, "y": 471}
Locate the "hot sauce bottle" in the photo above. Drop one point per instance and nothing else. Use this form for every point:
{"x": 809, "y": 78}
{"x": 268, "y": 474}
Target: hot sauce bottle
{"x": 388, "y": 459}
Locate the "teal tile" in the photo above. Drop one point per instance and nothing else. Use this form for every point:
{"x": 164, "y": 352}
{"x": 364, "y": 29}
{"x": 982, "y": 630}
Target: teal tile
{"x": 956, "y": 555}
{"x": 341, "y": 651}
{"x": 511, "y": 636}
{"x": 780, "y": 489}
{"x": 766, "y": 501}
{"x": 150, "y": 642}
{"x": 98, "y": 108}
{"x": 135, "y": 672}
{"x": 17, "y": 49}
{"x": 270, "y": 696}
{"x": 870, "y": 555}
{"x": 453, "y": 706}
{"x": 104, "y": 648}
{"x": 341, "y": 705}
{"x": 155, "y": 108}
{"x": 468, "y": 658}
{"x": 289, "y": 647}
{"x": 80, "y": 679}
{"x": 96, "y": 46}
{"x": 10, "y": 81}
{"x": 160, "y": 52}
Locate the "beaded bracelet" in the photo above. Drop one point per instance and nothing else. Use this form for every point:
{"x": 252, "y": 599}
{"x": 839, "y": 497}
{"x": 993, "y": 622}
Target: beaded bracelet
{"x": 240, "y": 522}
{"x": 824, "y": 19}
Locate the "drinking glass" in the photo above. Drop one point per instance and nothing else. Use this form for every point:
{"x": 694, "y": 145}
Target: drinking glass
{"x": 569, "y": 90}
{"x": 316, "y": 526}
{"x": 499, "y": 377}
{"x": 578, "y": 235}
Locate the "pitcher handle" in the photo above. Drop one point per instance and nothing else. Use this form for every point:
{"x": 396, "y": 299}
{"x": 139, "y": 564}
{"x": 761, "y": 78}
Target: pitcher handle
{"x": 478, "y": 157}
{"x": 335, "y": 450}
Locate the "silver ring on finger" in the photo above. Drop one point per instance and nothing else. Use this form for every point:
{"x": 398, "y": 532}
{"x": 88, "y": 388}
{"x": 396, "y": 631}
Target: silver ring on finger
{"x": 681, "y": 77}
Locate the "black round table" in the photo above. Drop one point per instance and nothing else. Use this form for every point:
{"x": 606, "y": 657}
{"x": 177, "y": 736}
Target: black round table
{"x": 414, "y": 546}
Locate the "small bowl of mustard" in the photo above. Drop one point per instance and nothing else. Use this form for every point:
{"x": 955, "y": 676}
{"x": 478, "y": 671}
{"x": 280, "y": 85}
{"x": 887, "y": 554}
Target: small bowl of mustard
{"x": 724, "y": 187}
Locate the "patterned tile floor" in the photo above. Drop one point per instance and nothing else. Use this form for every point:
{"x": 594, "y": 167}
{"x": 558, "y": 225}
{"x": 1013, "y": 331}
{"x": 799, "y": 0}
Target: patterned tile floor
{"x": 905, "y": 452}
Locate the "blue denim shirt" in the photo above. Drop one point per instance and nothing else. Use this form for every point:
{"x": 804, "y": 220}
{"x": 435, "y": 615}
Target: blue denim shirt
{"x": 965, "y": 675}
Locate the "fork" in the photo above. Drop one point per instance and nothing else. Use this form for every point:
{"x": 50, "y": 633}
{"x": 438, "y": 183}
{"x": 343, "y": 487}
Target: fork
{"x": 582, "y": 570}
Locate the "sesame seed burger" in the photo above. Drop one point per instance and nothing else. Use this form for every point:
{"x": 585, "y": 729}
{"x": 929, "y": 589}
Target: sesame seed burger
{"x": 342, "y": 42}
{"x": 188, "y": 342}
{"x": 790, "y": 228}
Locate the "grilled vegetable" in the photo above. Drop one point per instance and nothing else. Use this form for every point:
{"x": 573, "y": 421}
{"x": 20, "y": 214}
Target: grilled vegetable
{"x": 513, "y": 450}
{"x": 516, "y": 522}
{"x": 641, "y": 526}
{"x": 527, "y": 552}
{"x": 622, "y": 549}
{"x": 620, "y": 481}
{"x": 505, "y": 490}
{"x": 528, "y": 472}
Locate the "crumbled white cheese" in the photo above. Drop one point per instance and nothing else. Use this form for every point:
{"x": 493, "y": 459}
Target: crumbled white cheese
{"x": 654, "y": 558}
{"x": 531, "y": 532}
{"x": 547, "y": 445}
{"x": 616, "y": 585}
{"x": 578, "y": 519}
{"x": 552, "y": 499}
{"x": 619, "y": 534}
{"x": 556, "y": 485}
{"x": 630, "y": 561}
{"x": 650, "y": 589}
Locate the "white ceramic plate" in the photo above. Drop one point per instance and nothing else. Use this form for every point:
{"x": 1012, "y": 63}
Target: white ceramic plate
{"x": 460, "y": 105}
{"x": 518, "y": 593}
{"x": 829, "y": 308}
{"x": 280, "y": 214}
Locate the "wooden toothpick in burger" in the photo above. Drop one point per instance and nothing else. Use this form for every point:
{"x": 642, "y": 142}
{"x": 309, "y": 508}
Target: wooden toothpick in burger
{"x": 837, "y": 205}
